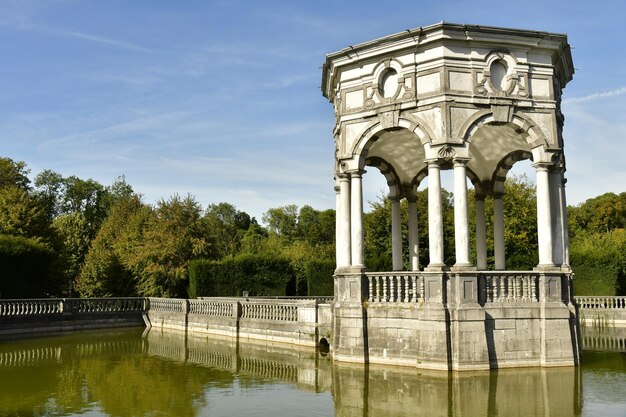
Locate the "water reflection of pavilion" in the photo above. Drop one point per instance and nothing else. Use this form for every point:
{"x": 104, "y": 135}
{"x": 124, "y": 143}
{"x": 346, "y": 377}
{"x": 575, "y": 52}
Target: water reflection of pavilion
{"x": 373, "y": 391}
{"x": 80, "y": 367}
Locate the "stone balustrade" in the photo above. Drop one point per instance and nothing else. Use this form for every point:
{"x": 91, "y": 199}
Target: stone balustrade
{"x": 279, "y": 310}
{"x": 604, "y": 312}
{"x": 216, "y": 307}
{"x": 31, "y": 307}
{"x": 594, "y": 302}
{"x": 395, "y": 287}
{"x": 58, "y": 314}
{"x": 173, "y": 305}
{"x": 509, "y": 286}
{"x": 105, "y": 305}
{"x": 56, "y": 306}
{"x": 291, "y": 320}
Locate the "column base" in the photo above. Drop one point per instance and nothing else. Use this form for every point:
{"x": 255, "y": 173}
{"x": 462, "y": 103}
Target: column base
{"x": 548, "y": 268}
{"x": 463, "y": 267}
{"x": 436, "y": 268}
{"x": 353, "y": 269}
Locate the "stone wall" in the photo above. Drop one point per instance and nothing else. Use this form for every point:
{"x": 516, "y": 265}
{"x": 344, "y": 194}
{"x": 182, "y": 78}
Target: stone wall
{"x": 295, "y": 321}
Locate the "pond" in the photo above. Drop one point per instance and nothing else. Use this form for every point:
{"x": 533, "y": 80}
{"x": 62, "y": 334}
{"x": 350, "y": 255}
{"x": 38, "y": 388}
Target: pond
{"x": 132, "y": 372}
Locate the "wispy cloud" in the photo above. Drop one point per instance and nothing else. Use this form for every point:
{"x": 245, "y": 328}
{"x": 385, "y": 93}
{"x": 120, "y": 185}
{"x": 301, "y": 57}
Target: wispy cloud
{"x": 105, "y": 41}
{"x": 596, "y": 96}
{"x": 23, "y": 22}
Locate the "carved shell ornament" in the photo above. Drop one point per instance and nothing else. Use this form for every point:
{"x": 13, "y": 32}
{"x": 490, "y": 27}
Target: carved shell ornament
{"x": 446, "y": 153}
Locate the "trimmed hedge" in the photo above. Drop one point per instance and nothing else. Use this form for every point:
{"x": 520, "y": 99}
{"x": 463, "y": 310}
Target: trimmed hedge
{"x": 319, "y": 277}
{"x": 257, "y": 274}
{"x": 25, "y": 267}
{"x": 599, "y": 262}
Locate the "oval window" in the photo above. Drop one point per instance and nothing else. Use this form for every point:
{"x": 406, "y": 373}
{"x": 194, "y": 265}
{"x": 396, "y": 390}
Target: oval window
{"x": 498, "y": 71}
{"x": 389, "y": 83}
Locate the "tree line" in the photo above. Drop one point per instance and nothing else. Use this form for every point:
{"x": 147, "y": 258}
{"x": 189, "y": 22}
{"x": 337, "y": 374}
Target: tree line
{"x": 67, "y": 236}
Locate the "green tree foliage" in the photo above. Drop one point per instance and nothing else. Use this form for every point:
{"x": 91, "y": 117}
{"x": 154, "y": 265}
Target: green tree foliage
{"x": 73, "y": 240}
{"x": 377, "y": 231}
{"x": 108, "y": 269}
{"x": 599, "y": 214}
{"x": 282, "y": 222}
{"x": 14, "y": 174}
{"x": 26, "y": 265}
{"x": 598, "y": 245}
{"x": 520, "y": 224}
{"x": 316, "y": 227}
{"x": 22, "y": 215}
{"x": 226, "y": 226}
{"x": 174, "y": 235}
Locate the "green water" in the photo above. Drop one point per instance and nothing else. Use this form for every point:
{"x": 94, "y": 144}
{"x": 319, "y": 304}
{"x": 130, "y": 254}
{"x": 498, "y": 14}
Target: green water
{"x": 127, "y": 373}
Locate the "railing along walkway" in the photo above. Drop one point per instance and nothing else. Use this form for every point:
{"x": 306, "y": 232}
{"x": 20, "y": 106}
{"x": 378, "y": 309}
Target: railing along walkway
{"x": 273, "y": 309}
{"x": 604, "y": 303}
{"x": 58, "y": 306}
{"x": 407, "y": 287}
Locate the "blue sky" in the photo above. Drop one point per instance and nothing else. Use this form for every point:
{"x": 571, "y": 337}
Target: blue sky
{"x": 221, "y": 99}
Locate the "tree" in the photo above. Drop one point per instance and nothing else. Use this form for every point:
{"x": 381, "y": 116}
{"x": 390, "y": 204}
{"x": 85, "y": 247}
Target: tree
{"x": 174, "y": 235}
{"x": 50, "y": 187}
{"x": 599, "y": 214}
{"x": 282, "y": 222}
{"x": 108, "y": 269}
{"x": 14, "y": 174}
{"x": 377, "y": 231}
{"x": 25, "y": 264}
{"x": 226, "y": 227}
{"x": 520, "y": 224}
{"x": 316, "y": 227}
{"x": 22, "y": 215}
{"x": 73, "y": 240}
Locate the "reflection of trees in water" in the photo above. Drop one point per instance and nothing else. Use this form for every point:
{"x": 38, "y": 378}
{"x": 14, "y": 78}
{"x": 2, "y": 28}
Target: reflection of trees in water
{"x": 109, "y": 369}
{"x": 172, "y": 373}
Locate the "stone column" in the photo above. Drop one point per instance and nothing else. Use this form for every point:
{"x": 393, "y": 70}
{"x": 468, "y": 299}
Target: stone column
{"x": 338, "y": 251}
{"x": 481, "y": 233}
{"x": 435, "y": 216}
{"x": 356, "y": 209}
{"x": 413, "y": 233}
{"x": 343, "y": 215}
{"x": 555, "y": 210}
{"x": 565, "y": 222}
{"x": 498, "y": 232}
{"x": 461, "y": 222}
{"x": 544, "y": 220}
{"x": 396, "y": 235}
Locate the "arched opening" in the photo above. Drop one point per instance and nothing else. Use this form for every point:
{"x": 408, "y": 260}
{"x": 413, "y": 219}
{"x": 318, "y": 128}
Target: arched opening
{"x": 398, "y": 154}
{"x": 323, "y": 346}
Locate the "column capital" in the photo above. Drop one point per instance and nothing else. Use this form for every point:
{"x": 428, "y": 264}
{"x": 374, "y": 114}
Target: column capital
{"x": 411, "y": 197}
{"x": 498, "y": 195}
{"x": 343, "y": 177}
{"x": 542, "y": 166}
{"x": 460, "y": 161}
{"x": 434, "y": 163}
{"x": 357, "y": 173}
